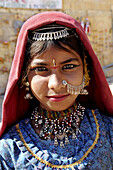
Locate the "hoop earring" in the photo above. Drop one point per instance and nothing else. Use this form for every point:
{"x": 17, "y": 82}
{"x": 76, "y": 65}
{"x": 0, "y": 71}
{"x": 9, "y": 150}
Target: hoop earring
{"x": 28, "y": 95}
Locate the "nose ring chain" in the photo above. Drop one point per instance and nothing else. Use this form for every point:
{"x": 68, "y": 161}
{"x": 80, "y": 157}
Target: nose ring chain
{"x": 74, "y": 89}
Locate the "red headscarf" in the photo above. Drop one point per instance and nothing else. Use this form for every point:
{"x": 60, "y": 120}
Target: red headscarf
{"x": 14, "y": 104}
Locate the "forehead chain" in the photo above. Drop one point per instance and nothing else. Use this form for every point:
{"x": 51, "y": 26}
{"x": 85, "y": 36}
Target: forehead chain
{"x": 53, "y": 35}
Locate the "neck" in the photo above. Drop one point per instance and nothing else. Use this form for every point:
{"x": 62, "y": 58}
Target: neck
{"x": 57, "y": 114}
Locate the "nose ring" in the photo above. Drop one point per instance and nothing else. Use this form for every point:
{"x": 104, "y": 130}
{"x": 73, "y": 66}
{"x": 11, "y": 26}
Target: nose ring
{"x": 74, "y": 89}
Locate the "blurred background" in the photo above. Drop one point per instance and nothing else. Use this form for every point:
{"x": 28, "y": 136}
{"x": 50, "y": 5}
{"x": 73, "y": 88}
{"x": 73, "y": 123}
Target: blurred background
{"x": 95, "y": 16}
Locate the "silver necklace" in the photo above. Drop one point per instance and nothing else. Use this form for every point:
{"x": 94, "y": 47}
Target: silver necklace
{"x": 56, "y": 127}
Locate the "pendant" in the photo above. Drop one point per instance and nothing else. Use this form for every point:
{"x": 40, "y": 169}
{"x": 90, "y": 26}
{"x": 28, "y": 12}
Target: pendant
{"x": 66, "y": 140}
{"x": 55, "y": 141}
{"x": 41, "y": 134}
{"x": 61, "y": 143}
{"x": 74, "y": 136}
{"x": 49, "y": 137}
{"x": 77, "y": 131}
{"x": 40, "y": 121}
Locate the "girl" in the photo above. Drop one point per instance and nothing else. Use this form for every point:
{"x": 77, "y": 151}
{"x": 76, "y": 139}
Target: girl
{"x": 57, "y": 110}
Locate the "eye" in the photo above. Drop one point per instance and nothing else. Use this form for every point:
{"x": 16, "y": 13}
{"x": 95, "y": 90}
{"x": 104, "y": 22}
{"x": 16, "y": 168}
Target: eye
{"x": 69, "y": 66}
{"x": 39, "y": 69}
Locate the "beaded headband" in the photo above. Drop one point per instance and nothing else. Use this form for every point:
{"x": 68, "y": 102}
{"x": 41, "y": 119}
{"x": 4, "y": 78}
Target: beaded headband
{"x": 51, "y": 32}
{"x": 50, "y": 35}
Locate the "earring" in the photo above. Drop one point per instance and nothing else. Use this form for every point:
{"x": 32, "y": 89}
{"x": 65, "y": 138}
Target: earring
{"x": 87, "y": 78}
{"x": 28, "y": 95}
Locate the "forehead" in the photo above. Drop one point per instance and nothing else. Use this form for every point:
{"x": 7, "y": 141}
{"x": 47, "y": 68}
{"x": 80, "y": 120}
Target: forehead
{"x": 59, "y": 54}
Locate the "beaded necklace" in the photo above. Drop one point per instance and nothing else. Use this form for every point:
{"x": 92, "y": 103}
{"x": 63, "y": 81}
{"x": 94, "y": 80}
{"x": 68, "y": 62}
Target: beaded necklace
{"x": 58, "y": 124}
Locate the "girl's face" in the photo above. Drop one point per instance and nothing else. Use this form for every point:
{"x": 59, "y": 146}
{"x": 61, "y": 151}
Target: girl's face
{"x": 46, "y": 74}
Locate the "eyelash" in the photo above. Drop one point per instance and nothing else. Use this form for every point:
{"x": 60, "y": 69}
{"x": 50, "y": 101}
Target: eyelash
{"x": 40, "y": 69}
{"x": 69, "y": 66}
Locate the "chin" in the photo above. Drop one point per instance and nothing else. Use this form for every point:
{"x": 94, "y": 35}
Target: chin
{"x": 58, "y": 107}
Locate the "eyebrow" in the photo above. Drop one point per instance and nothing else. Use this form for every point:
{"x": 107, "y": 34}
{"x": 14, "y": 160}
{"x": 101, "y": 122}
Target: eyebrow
{"x": 63, "y": 62}
{"x": 69, "y": 60}
{"x": 36, "y": 63}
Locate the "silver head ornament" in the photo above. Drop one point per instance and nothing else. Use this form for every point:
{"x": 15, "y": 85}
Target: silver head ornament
{"x": 51, "y": 32}
{"x": 50, "y": 35}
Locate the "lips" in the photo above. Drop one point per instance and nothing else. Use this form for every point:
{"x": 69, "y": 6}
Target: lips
{"x": 57, "y": 98}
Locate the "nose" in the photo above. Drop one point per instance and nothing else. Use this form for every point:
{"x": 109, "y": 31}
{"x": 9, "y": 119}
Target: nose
{"x": 55, "y": 82}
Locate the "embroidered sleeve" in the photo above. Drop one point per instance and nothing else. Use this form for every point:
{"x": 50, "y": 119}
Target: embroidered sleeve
{"x": 5, "y": 155}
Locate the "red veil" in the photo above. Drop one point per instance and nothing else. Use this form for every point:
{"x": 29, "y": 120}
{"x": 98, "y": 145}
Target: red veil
{"x": 14, "y": 104}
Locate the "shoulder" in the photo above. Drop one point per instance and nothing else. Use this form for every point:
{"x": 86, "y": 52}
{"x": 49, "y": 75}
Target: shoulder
{"x": 11, "y": 137}
{"x": 9, "y": 146}
{"x": 108, "y": 120}
{"x": 104, "y": 118}
{"x": 108, "y": 124}
{"x": 105, "y": 124}
{"x": 8, "y": 139}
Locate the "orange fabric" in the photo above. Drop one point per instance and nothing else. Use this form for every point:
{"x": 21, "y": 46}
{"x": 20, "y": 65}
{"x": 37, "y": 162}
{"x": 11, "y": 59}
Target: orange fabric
{"x": 15, "y": 106}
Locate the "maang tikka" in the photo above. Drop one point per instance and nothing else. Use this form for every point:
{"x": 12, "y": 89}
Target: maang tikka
{"x": 54, "y": 62}
{"x": 79, "y": 89}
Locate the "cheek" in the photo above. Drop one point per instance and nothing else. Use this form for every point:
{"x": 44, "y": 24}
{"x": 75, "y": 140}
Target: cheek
{"x": 79, "y": 77}
{"x": 76, "y": 77}
{"x": 38, "y": 84}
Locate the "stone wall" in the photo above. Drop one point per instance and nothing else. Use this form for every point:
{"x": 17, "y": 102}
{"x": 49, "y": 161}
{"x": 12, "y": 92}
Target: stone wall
{"x": 73, "y": 5}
